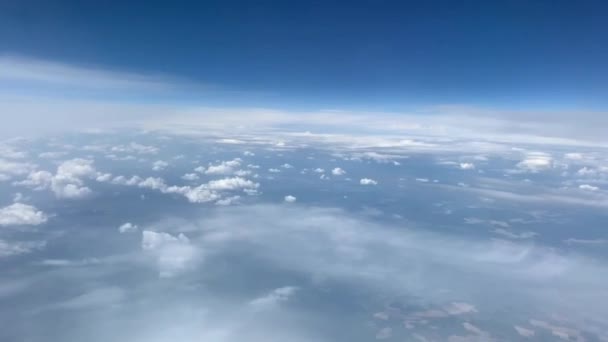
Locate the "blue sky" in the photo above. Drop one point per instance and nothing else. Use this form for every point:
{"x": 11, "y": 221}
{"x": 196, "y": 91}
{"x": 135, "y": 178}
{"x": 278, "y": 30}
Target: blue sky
{"x": 358, "y": 55}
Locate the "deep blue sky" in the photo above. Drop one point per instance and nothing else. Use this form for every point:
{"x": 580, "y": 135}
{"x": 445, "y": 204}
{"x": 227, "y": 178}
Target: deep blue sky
{"x": 368, "y": 54}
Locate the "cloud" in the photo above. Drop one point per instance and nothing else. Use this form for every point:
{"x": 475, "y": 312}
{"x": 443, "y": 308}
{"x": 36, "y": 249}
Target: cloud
{"x": 19, "y": 214}
{"x": 224, "y": 168}
{"x": 190, "y": 177}
{"x": 67, "y": 182}
{"x": 128, "y": 228}
{"x": 274, "y": 298}
{"x": 511, "y": 235}
{"x": 12, "y": 248}
{"x": 338, "y": 172}
{"x": 536, "y": 162}
{"x": 228, "y": 200}
{"x": 173, "y": 254}
{"x": 159, "y": 165}
{"x": 588, "y": 187}
{"x": 524, "y": 331}
{"x": 134, "y": 147}
{"x": 384, "y": 333}
{"x": 367, "y": 181}
{"x": 587, "y": 241}
{"x": 290, "y": 199}
{"x": 9, "y": 169}
{"x": 467, "y": 166}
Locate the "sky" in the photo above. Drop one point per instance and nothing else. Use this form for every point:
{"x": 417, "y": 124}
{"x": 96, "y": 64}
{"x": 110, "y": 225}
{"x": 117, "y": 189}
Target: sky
{"x": 303, "y": 171}
{"x": 355, "y": 55}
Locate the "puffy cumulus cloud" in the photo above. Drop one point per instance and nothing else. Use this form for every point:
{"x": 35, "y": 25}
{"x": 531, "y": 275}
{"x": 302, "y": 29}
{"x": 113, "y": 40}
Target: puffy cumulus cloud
{"x": 467, "y": 166}
{"x": 290, "y": 199}
{"x": 19, "y": 214}
{"x": 233, "y": 183}
{"x": 173, "y": 254}
{"x": 224, "y": 168}
{"x": 273, "y": 170}
{"x": 203, "y": 193}
{"x": 367, "y": 181}
{"x": 536, "y": 162}
{"x": 287, "y": 166}
{"x": 338, "y": 171}
{"x": 68, "y": 181}
{"x": 128, "y": 227}
{"x": 274, "y": 298}
{"x": 159, "y": 165}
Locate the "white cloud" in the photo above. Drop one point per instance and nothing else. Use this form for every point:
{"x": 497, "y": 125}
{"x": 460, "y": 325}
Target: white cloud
{"x": 524, "y": 331}
{"x": 67, "y": 181}
{"x": 173, "y": 254}
{"x": 135, "y": 148}
{"x": 159, "y": 165}
{"x": 190, "y": 177}
{"x": 233, "y": 183}
{"x": 367, "y": 181}
{"x": 18, "y": 214}
{"x": 535, "y": 162}
{"x": 319, "y": 170}
{"x": 562, "y": 332}
{"x": 338, "y": 171}
{"x": 274, "y": 298}
{"x": 574, "y": 156}
{"x": 242, "y": 173}
{"x": 228, "y": 200}
{"x": 588, "y": 187}
{"x": 290, "y": 199}
{"x": 12, "y": 248}
{"x": 274, "y": 170}
{"x": 154, "y": 183}
{"x": 287, "y": 166}
{"x": 224, "y": 168}
{"x": 104, "y": 177}
{"x": 11, "y": 168}
{"x": 128, "y": 228}
{"x": 52, "y": 155}
{"x": 248, "y": 154}
{"x": 467, "y": 166}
